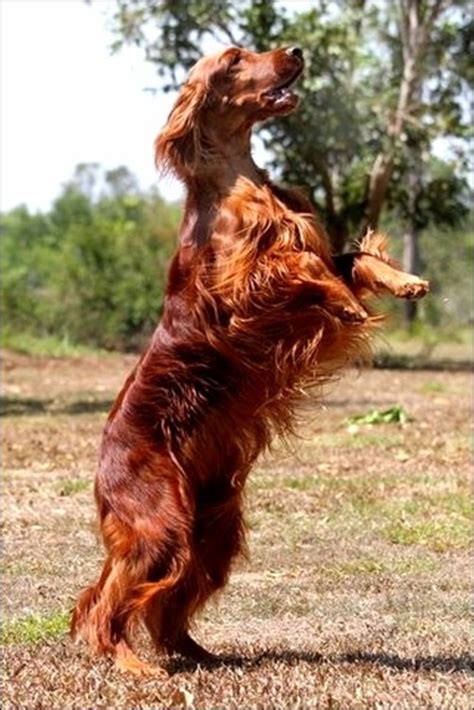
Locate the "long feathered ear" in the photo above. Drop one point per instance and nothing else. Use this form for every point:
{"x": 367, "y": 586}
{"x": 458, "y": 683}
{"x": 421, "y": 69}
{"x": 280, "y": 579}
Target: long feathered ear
{"x": 178, "y": 146}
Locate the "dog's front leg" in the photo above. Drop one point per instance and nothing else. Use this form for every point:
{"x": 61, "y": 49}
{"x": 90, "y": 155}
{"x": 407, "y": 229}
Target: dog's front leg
{"x": 371, "y": 270}
{"x": 367, "y": 272}
{"x": 313, "y": 277}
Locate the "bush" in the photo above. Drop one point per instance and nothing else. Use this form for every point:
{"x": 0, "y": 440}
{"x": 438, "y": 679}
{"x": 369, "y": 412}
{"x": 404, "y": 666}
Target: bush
{"x": 91, "y": 271}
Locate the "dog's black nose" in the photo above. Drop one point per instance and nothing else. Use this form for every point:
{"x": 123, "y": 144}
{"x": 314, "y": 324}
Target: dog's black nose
{"x": 295, "y": 52}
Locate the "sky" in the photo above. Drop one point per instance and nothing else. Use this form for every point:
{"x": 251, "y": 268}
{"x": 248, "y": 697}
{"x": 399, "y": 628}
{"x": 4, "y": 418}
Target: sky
{"x": 65, "y": 99}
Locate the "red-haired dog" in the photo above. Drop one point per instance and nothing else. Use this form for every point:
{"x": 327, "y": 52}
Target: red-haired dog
{"x": 256, "y": 310}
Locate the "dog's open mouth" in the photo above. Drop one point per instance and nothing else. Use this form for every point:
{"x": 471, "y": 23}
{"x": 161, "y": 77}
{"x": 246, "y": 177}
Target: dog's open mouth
{"x": 283, "y": 93}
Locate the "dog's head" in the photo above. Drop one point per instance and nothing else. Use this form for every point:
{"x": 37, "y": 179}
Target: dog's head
{"x": 226, "y": 94}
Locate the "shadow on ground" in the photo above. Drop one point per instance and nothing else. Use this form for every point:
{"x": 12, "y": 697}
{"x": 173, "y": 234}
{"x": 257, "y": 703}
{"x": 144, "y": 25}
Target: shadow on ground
{"x": 443, "y": 664}
{"x": 26, "y": 406}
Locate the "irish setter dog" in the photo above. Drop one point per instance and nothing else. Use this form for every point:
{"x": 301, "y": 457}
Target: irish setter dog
{"x": 257, "y": 310}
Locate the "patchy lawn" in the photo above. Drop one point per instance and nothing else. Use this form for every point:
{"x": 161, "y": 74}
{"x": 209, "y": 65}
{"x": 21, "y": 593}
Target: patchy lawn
{"x": 357, "y": 592}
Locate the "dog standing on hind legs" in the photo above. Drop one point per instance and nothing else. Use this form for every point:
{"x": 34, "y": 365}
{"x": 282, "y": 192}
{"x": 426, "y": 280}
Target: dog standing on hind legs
{"x": 256, "y": 310}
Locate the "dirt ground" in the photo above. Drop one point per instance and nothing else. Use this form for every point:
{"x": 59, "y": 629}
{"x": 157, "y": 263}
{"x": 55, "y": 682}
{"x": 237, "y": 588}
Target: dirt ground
{"x": 356, "y": 594}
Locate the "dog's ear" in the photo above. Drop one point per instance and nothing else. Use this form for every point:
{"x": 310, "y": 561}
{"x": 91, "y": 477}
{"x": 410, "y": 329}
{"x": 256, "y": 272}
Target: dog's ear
{"x": 179, "y": 146}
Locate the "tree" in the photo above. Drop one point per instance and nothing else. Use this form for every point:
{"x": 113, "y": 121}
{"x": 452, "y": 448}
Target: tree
{"x": 373, "y": 71}
{"x": 92, "y": 270}
{"x": 111, "y": 280}
{"x": 429, "y": 59}
{"x": 27, "y": 258}
{"x": 120, "y": 181}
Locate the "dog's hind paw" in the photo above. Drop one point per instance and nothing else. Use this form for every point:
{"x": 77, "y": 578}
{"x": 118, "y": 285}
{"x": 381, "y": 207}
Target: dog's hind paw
{"x": 188, "y": 647}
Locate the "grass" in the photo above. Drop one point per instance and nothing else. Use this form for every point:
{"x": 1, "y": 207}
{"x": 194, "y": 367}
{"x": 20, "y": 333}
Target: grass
{"x": 363, "y": 440}
{"x": 413, "y": 522}
{"x": 399, "y": 347}
{"x": 301, "y": 484}
{"x": 438, "y": 535}
{"x": 374, "y": 566}
{"x": 433, "y": 387}
{"x": 45, "y": 346}
{"x": 356, "y": 594}
{"x": 71, "y": 486}
{"x": 356, "y": 438}
{"x": 34, "y": 568}
{"x": 426, "y": 346}
{"x": 423, "y": 508}
{"x": 423, "y": 333}
{"x": 34, "y": 629}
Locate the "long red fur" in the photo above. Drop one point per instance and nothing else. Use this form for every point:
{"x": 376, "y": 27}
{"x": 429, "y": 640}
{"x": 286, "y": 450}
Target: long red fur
{"x": 257, "y": 313}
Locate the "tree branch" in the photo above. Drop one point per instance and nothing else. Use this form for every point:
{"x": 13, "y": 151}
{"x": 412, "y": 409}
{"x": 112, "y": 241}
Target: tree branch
{"x": 328, "y": 191}
{"x": 414, "y": 40}
{"x": 439, "y": 6}
{"x": 229, "y": 34}
{"x": 403, "y": 29}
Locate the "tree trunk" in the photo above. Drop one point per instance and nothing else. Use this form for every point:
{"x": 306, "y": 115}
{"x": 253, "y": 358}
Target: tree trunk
{"x": 415, "y": 24}
{"x": 412, "y": 264}
{"x": 338, "y": 236}
{"x": 379, "y": 180}
{"x": 411, "y": 241}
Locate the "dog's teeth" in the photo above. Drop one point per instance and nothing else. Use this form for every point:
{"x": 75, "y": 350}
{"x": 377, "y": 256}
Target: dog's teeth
{"x": 284, "y": 94}
{"x": 280, "y": 94}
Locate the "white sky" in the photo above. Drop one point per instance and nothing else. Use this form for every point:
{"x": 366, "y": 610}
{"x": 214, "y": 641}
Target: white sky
{"x": 66, "y": 100}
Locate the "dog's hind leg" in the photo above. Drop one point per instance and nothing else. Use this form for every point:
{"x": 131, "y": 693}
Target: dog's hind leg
{"x": 103, "y": 619}
{"x": 139, "y": 568}
{"x": 168, "y": 618}
{"x": 146, "y": 527}
{"x": 218, "y": 540}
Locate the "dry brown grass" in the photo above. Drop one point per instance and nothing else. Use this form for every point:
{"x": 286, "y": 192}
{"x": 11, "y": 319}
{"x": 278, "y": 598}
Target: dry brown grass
{"x": 357, "y": 593}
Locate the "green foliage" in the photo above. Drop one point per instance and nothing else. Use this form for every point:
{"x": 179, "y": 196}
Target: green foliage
{"x": 35, "y": 629}
{"x": 392, "y": 415}
{"x": 30, "y": 343}
{"x": 93, "y": 269}
{"x": 447, "y": 258}
{"x": 172, "y": 33}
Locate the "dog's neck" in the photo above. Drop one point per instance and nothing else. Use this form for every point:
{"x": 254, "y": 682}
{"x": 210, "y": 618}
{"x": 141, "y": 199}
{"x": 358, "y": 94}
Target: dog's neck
{"x": 227, "y": 158}
{"x": 220, "y": 168}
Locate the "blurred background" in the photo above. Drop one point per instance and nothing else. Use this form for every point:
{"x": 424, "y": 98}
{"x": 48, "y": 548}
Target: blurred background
{"x": 383, "y": 137}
